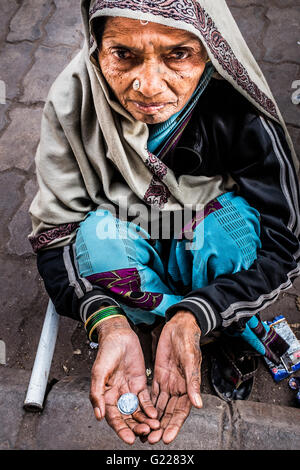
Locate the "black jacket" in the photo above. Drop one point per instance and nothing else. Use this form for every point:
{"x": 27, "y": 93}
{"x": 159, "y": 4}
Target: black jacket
{"x": 226, "y": 134}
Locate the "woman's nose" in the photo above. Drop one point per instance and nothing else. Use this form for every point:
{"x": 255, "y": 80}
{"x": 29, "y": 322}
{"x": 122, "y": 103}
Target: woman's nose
{"x": 152, "y": 79}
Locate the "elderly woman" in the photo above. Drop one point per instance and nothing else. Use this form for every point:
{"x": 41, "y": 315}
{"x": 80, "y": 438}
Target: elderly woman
{"x": 163, "y": 112}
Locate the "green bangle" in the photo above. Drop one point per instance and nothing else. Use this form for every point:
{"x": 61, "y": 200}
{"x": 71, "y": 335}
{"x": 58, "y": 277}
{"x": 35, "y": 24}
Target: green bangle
{"x": 103, "y": 311}
{"x": 97, "y": 317}
{"x": 93, "y": 334}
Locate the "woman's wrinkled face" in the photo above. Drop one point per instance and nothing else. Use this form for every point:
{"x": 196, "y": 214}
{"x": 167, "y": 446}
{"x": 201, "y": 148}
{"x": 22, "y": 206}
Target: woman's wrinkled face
{"x": 168, "y": 63}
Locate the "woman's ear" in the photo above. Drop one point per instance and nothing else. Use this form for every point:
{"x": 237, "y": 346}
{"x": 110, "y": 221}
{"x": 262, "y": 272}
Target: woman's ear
{"x": 204, "y": 54}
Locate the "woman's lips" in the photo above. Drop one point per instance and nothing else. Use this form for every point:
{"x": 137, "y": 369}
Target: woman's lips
{"x": 151, "y": 108}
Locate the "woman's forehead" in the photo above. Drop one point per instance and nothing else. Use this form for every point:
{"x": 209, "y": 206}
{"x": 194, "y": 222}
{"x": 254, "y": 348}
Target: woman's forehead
{"x": 127, "y": 28}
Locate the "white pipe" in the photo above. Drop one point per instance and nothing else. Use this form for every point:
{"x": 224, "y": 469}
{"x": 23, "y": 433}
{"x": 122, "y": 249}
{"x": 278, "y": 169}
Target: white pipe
{"x": 43, "y": 359}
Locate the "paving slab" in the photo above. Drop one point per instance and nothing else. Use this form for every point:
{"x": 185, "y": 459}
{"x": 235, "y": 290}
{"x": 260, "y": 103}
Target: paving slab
{"x": 12, "y": 388}
{"x": 202, "y": 430}
{"x": 252, "y": 23}
{"x": 21, "y": 324}
{"x": 266, "y": 427}
{"x": 295, "y": 136}
{"x": 67, "y": 422}
{"x": 11, "y": 198}
{"x": 295, "y": 289}
{"x": 266, "y": 3}
{"x": 280, "y": 38}
{"x": 65, "y": 26}
{"x": 15, "y": 60}
{"x": 48, "y": 63}
{"x": 27, "y": 22}
{"x": 20, "y": 139}
{"x": 21, "y": 223}
{"x": 4, "y": 120}
{"x": 8, "y": 9}
{"x": 280, "y": 78}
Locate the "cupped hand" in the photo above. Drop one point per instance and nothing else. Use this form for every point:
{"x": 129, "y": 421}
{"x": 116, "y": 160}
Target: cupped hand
{"x": 120, "y": 368}
{"x": 177, "y": 379}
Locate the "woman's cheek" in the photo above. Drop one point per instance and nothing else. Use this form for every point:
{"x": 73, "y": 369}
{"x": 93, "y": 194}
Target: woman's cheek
{"x": 114, "y": 78}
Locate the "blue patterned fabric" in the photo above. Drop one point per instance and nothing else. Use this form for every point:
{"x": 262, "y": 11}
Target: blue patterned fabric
{"x": 145, "y": 280}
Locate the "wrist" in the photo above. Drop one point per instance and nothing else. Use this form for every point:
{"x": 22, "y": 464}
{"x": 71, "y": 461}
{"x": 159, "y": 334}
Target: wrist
{"x": 105, "y": 315}
{"x": 184, "y": 317}
{"x": 111, "y": 324}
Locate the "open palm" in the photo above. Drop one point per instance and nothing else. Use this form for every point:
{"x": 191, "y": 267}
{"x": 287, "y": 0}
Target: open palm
{"x": 176, "y": 383}
{"x": 120, "y": 368}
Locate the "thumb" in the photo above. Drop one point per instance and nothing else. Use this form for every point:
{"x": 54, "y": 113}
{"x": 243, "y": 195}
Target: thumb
{"x": 193, "y": 390}
{"x": 98, "y": 403}
{"x": 193, "y": 382}
{"x": 97, "y": 393}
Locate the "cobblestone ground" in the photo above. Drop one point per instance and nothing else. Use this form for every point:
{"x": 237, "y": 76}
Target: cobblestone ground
{"x": 37, "y": 39}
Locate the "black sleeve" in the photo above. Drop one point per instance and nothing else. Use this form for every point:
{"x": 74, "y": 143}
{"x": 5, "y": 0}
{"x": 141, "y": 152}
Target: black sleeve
{"x": 261, "y": 164}
{"x": 73, "y": 296}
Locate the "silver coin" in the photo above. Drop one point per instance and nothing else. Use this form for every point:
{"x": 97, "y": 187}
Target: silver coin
{"x": 128, "y": 403}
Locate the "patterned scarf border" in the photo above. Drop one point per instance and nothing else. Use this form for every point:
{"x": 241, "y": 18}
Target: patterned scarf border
{"x": 43, "y": 239}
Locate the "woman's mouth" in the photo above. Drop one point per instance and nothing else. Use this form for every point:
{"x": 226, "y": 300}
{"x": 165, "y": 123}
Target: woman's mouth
{"x": 150, "y": 108}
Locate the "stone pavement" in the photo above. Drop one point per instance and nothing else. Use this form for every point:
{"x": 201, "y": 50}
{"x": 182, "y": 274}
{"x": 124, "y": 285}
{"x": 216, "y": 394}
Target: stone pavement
{"x": 67, "y": 422}
{"x": 37, "y": 39}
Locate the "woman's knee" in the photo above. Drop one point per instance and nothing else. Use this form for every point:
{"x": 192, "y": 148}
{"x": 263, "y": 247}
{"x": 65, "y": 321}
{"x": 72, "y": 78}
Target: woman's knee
{"x": 98, "y": 244}
{"x": 229, "y": 236}
{"x": 106, "y": 243}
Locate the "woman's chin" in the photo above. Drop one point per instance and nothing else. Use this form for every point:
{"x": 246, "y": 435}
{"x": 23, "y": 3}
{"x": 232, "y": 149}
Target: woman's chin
{"x": 154, "y": 118}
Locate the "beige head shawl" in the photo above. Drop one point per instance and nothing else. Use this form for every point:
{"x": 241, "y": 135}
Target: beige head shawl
{"x": 93, "y": 152}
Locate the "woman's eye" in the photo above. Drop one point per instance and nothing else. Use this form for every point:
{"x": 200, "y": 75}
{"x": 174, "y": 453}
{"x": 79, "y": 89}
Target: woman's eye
{"x": 123, "y": 54}
{"x": 178, "y": 55}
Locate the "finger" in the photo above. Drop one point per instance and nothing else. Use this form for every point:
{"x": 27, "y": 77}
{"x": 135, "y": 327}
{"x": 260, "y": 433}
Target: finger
{"x": 140, "y": 429}
{"x": 192, "y": 372}
{"x": 154, "y": 391}
{"x": 161, "y": 403}
{"x": 140, "y": 417}
{"x": 146, "y": 404}
{"x": 119, "y": 425}
{"x": 193, "y": 390}
{"x": 97, "y": 399}
{"x": 169, "y": 411}
{"x": 180, "y": 413}
{"x": 155, "y": 436}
